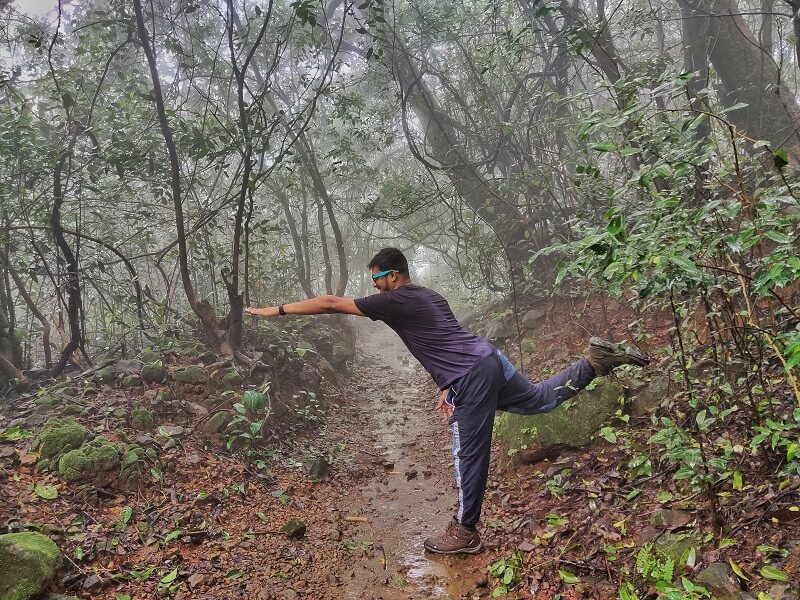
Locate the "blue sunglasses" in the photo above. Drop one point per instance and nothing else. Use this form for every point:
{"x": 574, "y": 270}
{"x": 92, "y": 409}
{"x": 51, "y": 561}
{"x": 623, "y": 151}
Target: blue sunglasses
{"x": 383, "y": 274}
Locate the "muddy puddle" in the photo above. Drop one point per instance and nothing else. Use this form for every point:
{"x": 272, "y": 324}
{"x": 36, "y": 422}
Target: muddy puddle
{"x": 411, "y": 495}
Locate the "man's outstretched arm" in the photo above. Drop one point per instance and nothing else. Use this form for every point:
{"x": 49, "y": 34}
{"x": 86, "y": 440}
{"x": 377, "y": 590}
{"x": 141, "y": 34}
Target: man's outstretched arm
{"x": 321, "y": 305}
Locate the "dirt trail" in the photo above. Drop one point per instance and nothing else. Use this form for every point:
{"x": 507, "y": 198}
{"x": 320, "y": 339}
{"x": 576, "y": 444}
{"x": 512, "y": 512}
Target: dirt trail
{"x": 411, "y": 494}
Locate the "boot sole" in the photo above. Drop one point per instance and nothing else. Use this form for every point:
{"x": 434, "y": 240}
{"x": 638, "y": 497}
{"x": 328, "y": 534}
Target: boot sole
{"x": 474, "y": 550}
{"x": 636, "y": 356}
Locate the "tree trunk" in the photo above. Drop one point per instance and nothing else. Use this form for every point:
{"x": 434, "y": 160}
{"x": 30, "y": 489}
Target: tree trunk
{"x": 302, "y": 274}
{"x": 73, "y": 282}
{"x": 321, "y": 190}
{"x": 203, "y": 310}
{"x": 772, "y": 113}
{"x": 441, "y": 137}
{"x": 23, "y": 291}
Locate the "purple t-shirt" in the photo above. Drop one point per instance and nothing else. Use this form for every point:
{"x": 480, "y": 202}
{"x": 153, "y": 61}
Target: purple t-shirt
{"x": 423, "y": 320}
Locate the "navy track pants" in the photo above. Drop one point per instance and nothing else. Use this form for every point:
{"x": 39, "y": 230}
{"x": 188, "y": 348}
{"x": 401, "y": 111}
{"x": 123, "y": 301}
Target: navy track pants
{"x": 494, "y": 384}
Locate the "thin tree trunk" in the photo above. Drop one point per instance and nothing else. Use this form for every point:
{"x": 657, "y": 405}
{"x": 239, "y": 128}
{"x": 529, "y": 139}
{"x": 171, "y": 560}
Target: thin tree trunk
{"x": 72, "y": 276}
{"x": 23, "y": 291}
{"x": 302, "y": 274}
{"x": 310, "y": 162}
{"x": 323, "y": 238}
{"x": 201, "y": 308}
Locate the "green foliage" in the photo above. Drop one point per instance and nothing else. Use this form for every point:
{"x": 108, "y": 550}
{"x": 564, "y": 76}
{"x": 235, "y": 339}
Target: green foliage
{"x": 249, "y": 419}
{"x": 508, "y": 572}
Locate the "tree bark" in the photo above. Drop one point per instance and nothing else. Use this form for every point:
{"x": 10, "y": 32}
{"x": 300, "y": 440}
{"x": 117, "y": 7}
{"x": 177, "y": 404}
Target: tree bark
{"x": 747, "y": 76}
{"x": 203, "y": 310}
{"x": 302, "y": 274}
{"x": 321, "y": 190}
{"x": 73, "y": 287}
{"x": 23, "y": 291}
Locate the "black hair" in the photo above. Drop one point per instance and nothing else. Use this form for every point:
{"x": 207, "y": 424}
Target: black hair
{"x": 390, "y": 258}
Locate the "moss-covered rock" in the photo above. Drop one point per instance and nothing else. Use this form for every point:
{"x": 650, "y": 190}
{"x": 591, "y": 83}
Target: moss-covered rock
{"x": 141, "y": 419}
{"x": 45, "y": 403}
{"x": 96, "y": 460}
{"x": 150, "y": 356}
{"x": 74, "y": 409}
{"x": 217, "y": 422}
{"x": 130, "y": 471}
{"x": 294, "y": 528}
{"x": 131, "y": 381}
{"x": 59, "y": 436}
{"x": 194, "y": 374}
{"x": 571, "y": 424}
{"x": 677, "y": 547}
{"x": 153, "y": 372}
{"x": 232, "y": 379}
{"x": 28, "y": 561}
{"x": 105, "y": 375}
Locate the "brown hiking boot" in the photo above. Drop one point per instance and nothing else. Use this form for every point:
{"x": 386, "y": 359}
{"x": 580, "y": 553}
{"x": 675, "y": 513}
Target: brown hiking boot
{"x": 456, "y": 539}
{"x": 604, "y": 355}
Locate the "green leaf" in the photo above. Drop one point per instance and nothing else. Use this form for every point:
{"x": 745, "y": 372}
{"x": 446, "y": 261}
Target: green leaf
{"x": 568, "y": 577}
{"x": 604, "y": 146}
{"x": 791, "y": 451}
{"x": 234, "y": 574}
{"x": 778, "y": 236}
{"x": 171, "y": 536}
{"x": 781, "y": 158}
{"x": 14, "y": 434}
{"x": 737, "y": 480}
{"x": 156, "y": 473}
{"x": 737, "y": 569}
{"x": 630, "y": 150}
{"x": 48, "y": 492}
{"x": 126, "y": 514}
{"x": 170, "y": 577}
{"x": 774, "y": 574}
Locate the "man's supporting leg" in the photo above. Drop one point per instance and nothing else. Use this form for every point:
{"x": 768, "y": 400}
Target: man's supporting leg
{"x": 522, "y": 397}
{"x": 475, "y": 404}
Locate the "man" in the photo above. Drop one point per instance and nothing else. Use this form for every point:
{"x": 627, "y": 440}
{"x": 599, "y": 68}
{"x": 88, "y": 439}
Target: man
{"x": 475, "y": 378}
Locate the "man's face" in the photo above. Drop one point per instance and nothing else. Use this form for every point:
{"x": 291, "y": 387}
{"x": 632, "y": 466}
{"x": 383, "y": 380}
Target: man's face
{"x": 385, "y": 283}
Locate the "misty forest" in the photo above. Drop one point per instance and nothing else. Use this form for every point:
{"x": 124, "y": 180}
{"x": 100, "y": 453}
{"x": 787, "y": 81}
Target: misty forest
{"x": 556, "y": 169}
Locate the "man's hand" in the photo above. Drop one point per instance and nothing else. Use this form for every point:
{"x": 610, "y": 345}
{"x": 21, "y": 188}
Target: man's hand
{"x": 443, "y": 406}
{"x": 262, "y": 312}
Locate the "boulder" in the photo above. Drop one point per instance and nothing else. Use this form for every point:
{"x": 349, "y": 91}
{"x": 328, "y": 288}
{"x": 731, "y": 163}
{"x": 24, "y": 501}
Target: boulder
{"x": 677, "y": 547}
{"x": 217, "y": 422}
{"x": 59, "y": 436}
{"x": 28, "y": 561}
{"x": 150, "y": 356}
{"x": 105, "y": 375}
{"x": 96, "y": 461}
{"x": 719, "y": 579}
{"x": 532, "y": 318}
{"x": 193, "y": 374}
{"x": 131, "y": 381}
{"x": 570, "y": 425}
{"x": 318, "y": 468}
{"x": 669, "y": 519}
{"x": 141, "y": 419}
{"x": 294, "y": 528}
{"x": 646, "y": 396}
{"x": 232, "y": 379}
{"x": 500, "y": 330}
{"x": 153, "y": 372}
{"x": 128, "y": 367}
{"x": 310, "y": 378}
